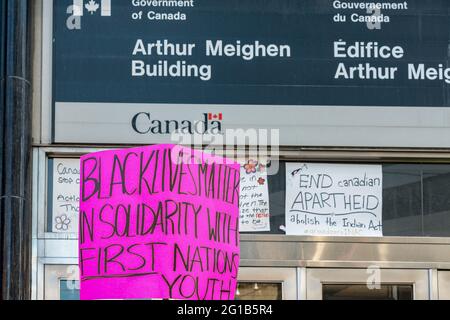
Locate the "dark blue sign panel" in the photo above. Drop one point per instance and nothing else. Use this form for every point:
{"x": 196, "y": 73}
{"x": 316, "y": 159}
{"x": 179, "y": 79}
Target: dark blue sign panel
{"x": 277, "y": 52}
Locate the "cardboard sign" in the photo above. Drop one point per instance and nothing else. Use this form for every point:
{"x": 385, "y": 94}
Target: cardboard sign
{"x": 333, "y": 199}
{"x": 65, "y": 195}
{"x": 158, "y": 222}
{"x": 254, "y": 198}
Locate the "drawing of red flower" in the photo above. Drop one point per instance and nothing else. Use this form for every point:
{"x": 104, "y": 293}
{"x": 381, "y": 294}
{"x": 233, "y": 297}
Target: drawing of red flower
{"x": 261, "y": 181}
{"x": 250, "y": 166}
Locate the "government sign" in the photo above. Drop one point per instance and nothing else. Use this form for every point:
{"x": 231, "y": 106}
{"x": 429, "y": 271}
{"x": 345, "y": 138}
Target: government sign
{"x": 118, "y": 60}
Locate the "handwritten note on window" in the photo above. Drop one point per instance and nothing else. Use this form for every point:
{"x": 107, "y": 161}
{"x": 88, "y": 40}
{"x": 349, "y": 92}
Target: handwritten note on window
{"x": 254, "y": 213}
{"x": 333, "y": 199}
{"x": 65, "y": 195}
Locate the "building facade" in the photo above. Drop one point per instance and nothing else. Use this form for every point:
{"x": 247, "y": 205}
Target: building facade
{"x": 357, "y": 95}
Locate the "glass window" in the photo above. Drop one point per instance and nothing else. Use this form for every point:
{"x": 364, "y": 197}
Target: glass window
{"x": 402, "y": 203}
{"x": 258, "y": 291}
{"x": 49, "y": 214}
{"x": 416, "y": 199}
{"x": 277, "y": 198}
{"x": 436, "y": 200}
{"x": 63, "y": 195}
{"x": 362, "y": 292}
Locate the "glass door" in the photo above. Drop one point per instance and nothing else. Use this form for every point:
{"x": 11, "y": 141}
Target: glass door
{"x": 367, "y": 284}
{"x": 61, "y": 283}
{"x": 267, "y": 284}
{"x": 364, "y": 292}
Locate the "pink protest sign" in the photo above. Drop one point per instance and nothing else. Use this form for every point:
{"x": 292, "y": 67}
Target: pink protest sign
{"x": 158, "y": 222}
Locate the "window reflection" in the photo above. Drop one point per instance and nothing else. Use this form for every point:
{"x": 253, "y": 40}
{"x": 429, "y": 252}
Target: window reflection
{"x": 362, "y": 292}
{"x": 69, "y": 290}
{"x": 416, "y": 199}
{"x": 402, "y": 203}
{"x": 436, "y": 200}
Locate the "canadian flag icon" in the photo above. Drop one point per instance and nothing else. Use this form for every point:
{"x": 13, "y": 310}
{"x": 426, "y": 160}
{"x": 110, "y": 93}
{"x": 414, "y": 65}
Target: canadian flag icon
{"x": 215, "y": 116}
{"x": 92, "y": 6}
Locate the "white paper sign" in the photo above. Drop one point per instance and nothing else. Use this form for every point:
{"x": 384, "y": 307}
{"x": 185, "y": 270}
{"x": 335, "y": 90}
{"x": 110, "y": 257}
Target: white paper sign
{"x": 66, "y": 195}
{"x": 254, "y": 198}
{"x": 333, "y": 199}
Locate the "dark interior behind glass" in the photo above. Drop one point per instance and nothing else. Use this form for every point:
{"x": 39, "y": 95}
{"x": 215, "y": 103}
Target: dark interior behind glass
{"x": 416, "y": 200}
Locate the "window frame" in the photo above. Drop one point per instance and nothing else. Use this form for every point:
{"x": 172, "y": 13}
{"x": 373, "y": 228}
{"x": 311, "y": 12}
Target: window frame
{"x": 45, "y": 244}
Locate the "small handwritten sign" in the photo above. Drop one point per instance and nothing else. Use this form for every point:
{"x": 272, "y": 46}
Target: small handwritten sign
{"x": 158, "y": 222}
{"x": 65, "y": 195}
{"x": 254, "y": 198}
{"x": 333, "y": 199}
